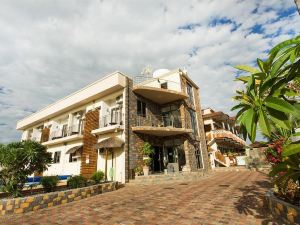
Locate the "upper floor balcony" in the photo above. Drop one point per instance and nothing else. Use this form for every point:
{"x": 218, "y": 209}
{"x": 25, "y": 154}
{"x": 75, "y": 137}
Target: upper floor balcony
{"x": 160, "y": 91}
{"x": 64, "y": 133}
{"x": 110, "y": 123}
{"x": 225, "y": 136}
{"x": 160, "y": 125}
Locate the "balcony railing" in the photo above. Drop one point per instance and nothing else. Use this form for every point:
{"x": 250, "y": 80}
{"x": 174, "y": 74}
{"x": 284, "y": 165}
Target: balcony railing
{"x": 66, "y": 131}
{"x": 159, "y": 121}
{"x": 111, "y": 120}
{"x": 221, "y": 133}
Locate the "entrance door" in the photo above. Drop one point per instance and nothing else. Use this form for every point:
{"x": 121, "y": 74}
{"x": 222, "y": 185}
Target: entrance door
{"x": 158, "y": 159}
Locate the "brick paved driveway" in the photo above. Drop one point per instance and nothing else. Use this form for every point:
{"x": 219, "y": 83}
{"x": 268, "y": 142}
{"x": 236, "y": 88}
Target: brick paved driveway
{"x": 222, "y": 198}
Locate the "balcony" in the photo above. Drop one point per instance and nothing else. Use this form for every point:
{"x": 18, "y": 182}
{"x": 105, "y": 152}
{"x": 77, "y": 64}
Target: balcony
{"x": 158, "y": 95}
{"x": 110, "y": 124}
{"x": 226, "y": 138}
{"x": 159, "y": 125}
{"x": 65, "y": 134}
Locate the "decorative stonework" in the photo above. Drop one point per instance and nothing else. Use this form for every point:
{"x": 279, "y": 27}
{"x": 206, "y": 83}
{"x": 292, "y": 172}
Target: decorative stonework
{"x": 89, "y": 154}
{"x": 280, "y": 209}
{"x": 41, "y": 201}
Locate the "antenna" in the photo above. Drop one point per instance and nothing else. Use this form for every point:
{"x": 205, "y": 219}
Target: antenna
{"x": 147, "y": 71}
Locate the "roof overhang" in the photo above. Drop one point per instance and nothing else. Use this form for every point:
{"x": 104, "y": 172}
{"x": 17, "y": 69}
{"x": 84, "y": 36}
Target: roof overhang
{"x": 161, "y": 131}
{"x": 74, "y": 149}
{"x": 112, "y": 142}
{"x": 159, "y": 95}
{"x": 96, "y": 90}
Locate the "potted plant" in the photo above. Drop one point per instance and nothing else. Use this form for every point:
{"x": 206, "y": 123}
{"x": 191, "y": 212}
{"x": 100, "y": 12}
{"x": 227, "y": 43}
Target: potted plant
{"x": 147, "y": 163}
{"x": 138, "y": 170}
{"x": 147, "y": 150}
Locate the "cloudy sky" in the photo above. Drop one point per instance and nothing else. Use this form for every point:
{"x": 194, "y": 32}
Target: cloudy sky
{"x": 49, "y": 49}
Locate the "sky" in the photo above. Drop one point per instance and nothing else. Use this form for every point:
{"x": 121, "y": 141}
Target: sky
{"x": 51, "y": 48}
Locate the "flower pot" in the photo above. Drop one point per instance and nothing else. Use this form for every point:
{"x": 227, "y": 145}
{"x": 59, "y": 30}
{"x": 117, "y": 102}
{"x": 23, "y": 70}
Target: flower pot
{"x": 166, "y": 171}
{"x": 146, "y": 170}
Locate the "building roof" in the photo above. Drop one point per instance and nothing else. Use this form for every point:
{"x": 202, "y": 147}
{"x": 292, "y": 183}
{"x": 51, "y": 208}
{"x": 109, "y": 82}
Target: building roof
{"x": 104, "y": 86}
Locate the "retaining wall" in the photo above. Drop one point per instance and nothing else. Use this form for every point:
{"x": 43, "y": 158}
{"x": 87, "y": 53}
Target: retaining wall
{"x": 41, "y": 201}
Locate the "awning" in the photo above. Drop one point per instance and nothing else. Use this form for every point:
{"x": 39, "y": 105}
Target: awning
{"x": 112, "y": 142}
{"x": 74, "y": 149}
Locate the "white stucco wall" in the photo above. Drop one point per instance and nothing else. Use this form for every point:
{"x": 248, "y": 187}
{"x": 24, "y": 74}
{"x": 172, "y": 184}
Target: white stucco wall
{"x": 173, "y": 80}
{"x": 64, "y": 167}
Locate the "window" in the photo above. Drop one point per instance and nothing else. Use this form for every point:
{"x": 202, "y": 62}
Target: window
{"x": 56, "y": 158}
{"x": 141, "y": 108}
{"x": 164, "y": 85}
{"x": 189, "y": 90}
{"x": 198, "y": 157}
{"x": 207, "y": 127}
{"x": 116, "y": 116}
{"x": 72, "y": 157}
{"x": 193, "y": 121}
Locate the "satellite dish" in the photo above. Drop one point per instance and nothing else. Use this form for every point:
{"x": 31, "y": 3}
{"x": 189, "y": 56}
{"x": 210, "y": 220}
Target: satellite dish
{"x": 159, "y": 72}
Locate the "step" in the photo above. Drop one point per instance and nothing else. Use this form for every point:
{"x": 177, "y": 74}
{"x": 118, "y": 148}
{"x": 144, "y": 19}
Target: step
{"x": 167, "y": 178}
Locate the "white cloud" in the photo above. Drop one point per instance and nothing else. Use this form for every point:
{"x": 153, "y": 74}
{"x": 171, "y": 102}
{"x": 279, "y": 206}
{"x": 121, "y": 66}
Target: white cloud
{"x": 49, "y": 49}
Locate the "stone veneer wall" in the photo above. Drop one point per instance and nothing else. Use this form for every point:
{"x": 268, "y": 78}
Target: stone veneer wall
{"x": 190, "y": 142}
{"x": 194, "y": 141}
{"x": 45, "y": 134}
{"x": 203, "y": 146}
{"x": 89, "y": 141}
{"x": 285, "y": 211}
{"x": 36, "y": 202}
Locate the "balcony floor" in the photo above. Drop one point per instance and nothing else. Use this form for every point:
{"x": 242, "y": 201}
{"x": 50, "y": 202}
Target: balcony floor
{"x": 159, "y": 95}
{"x": 160, "y": 131}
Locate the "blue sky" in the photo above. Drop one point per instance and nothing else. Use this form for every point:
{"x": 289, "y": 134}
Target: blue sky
{"x": 49, "y": 49}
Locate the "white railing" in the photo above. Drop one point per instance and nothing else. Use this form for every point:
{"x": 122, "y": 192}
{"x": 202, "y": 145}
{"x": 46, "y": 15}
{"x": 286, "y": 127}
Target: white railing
{"x": 226, "y": 134}
{"x": 111, "y": 120}
{"x": 66, "y": 131}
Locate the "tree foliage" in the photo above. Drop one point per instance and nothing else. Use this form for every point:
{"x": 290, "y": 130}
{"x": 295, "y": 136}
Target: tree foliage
{"x": 270, "y": 103}
{"x": 268, "y": 100}
{"x": 18, "y": 160}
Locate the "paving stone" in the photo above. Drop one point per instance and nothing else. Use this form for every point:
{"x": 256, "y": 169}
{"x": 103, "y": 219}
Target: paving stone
{"x": 207, "y": 201}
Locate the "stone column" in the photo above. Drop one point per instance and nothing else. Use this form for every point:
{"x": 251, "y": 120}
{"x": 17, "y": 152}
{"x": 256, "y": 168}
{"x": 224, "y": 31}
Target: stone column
{"x": 89, "y": 153}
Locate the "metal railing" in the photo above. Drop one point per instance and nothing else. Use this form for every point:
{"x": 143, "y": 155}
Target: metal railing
{"x": 65, "y": 131}
{"x": 226, "y": 134}
{"x": 159, "y": 121}
{"x": 111, "y": 120}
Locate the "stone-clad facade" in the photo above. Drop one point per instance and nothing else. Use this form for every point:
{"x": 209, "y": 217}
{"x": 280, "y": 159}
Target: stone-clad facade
{"x": 89, "y": 154}
{"x": 105, "y": 125}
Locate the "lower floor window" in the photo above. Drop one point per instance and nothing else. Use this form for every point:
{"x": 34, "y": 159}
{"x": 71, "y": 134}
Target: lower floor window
{"x": 72, "y": 157}
{"x": 56, "y": 158}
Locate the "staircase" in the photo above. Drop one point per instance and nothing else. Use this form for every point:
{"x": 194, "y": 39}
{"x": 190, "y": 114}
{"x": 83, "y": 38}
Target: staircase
{"x": 221, "y": 159}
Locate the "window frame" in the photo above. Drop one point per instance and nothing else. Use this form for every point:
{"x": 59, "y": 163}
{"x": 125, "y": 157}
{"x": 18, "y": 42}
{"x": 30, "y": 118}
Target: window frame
{"x": 56, "y": 155}
{"x": 143, "y": 106}
{"x": 190, "y": 92}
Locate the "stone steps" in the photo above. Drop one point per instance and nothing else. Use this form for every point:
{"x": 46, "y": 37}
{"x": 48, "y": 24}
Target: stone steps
{"x": 166, "y": 178}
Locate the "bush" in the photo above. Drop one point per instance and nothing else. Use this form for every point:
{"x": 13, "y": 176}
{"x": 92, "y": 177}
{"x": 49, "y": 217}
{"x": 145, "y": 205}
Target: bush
{"x": 77, "y": 181}
{"x": 49, "y": 183}
{"x": 18, "y": 160}
{"x": 98, "y": 176}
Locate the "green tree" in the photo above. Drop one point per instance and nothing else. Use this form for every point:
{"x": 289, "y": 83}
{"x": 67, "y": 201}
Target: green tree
{"x": 268, "y": 100}
{"x": 18, "y": 160}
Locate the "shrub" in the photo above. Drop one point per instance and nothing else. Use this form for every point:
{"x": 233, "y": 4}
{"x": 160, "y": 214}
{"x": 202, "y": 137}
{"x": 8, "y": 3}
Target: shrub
{"x": 98, "y": 176}
{"x": 49, "y": 183}
{"x": 18, "y": 160}
{"x": 77, "y": 181}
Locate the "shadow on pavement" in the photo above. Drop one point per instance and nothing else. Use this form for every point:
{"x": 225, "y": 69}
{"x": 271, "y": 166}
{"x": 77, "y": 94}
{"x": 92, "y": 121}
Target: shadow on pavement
{"x": 253, "y": 202}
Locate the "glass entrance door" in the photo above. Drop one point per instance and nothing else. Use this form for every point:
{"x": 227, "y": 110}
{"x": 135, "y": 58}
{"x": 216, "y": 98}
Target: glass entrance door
{"x": 158, "y": 165}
